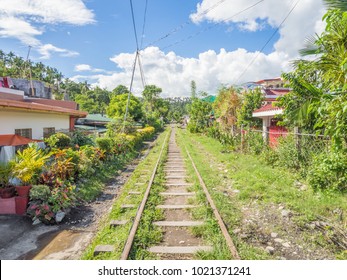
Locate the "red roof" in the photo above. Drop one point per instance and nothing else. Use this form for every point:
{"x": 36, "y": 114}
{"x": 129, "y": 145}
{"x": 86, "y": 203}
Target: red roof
{"x": 15, "y": 140}
{"x": 276, "y": 91}
{"x": 268, "y": 80}
{"x": 51, "y": 102}
{"x": 267, "y": 107}
{"x": 33, "y": 106}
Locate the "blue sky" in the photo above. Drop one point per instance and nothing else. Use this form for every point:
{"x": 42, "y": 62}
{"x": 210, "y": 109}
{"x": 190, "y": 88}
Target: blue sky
{"x": 94, "y": 40}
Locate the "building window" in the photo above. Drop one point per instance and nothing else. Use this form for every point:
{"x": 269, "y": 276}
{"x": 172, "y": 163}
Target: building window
{"x": 48, "y": 131}
{"x": 25, "y": 132}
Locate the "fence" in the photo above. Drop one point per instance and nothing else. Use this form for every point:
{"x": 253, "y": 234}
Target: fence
{"x": 289, "y": 149}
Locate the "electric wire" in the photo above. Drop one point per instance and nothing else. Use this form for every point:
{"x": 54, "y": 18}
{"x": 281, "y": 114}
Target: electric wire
{"x": 266, "y": 43}
{"x": 212, "y": 26}
{"x": 134, "y": 25}
{"x": 144, "y": 24}
{"x": 181, "y": 26}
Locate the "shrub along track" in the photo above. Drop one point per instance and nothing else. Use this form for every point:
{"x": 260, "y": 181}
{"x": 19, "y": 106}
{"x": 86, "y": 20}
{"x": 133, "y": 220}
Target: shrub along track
{"x": 170, "y": 220}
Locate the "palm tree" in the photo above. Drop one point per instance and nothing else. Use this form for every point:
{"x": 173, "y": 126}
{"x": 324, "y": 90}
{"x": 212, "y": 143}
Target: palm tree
{"x": 336, "y": 4}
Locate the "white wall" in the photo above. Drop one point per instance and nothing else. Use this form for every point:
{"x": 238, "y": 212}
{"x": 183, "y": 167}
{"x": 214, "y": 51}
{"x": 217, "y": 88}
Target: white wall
{"x": 11, "y": 120}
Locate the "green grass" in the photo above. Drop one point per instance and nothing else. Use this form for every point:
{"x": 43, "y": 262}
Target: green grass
{"x": 117, "y": 236}
{"x": 228, "y": 209}
{"x": 257, "y": 182}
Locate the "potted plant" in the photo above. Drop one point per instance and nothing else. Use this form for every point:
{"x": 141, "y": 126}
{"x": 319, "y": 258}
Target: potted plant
{"x": 6, "y": 189}
{"x": 27, "y": 166}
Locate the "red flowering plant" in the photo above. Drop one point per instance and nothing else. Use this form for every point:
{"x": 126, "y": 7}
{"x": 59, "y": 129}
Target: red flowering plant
{"x": 46, "y": 202}
{"x": 42, "y": 212}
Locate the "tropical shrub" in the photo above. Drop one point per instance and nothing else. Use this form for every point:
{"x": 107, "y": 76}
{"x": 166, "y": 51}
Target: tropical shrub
{"x": 28, "y": 164}
{"x": 146, "y": 133}
{"x": 58, "y": 140}
{"x": 80, "y": 139}
{"x": 329, "y": 172}
{"x": 6, "y": 173}
{"x": 105, "y": 144}
{"x": 46, "y": 202}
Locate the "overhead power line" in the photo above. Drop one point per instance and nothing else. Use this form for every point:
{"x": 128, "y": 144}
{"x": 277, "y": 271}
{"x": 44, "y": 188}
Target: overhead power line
{"x": 144, "y": 24}
{"x": 181, "y": 26}
{"x": 212, "y": 26}
{"x": 134, "y": 25}
{"x": 267, "y": 42}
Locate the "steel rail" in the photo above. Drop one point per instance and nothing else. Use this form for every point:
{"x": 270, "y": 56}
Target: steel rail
{"x": 220, "y": 221}
{"x": 130, "y": 240}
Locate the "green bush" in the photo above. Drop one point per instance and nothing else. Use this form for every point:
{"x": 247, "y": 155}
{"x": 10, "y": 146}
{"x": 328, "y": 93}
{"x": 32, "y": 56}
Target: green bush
{"x": 329, "y": 172}
{"x": 59, "y": 140}
{"x": 253, "y": 142}
{"x": 105, "y": 144}
{"x": 40, "y": 192}
{"x": 81, "y": 139}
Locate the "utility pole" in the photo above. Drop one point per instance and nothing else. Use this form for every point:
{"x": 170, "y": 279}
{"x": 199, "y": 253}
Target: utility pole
{"x": 30, "y": 77}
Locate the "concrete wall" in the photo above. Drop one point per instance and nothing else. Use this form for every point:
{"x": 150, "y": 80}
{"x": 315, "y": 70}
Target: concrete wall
{"x": 11, "y": 120}
{"x": 39, "y": 88}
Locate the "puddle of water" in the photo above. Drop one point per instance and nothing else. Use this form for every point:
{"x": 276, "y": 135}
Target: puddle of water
{"x": 62, "y": 241}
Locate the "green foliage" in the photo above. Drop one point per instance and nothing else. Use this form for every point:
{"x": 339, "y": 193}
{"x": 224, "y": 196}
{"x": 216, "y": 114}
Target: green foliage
{"x": 318, "y": 101}
{"x": 150, "y": 94}
{"x": 118, "y": 105}
{"x": 118, "y": 125}
{"x": 200, "y": 115}
{"x": 28, "y": 164}
{"x": 40, "y": 192}
{"x": 251, "y": 101}
{"x": 105, "y": 144}
{"x": 81, "y": 139}
{"x": 329, "y": 172}
{"x": 6, "y": 173}
{"x": 227, "y": 105}
{"x": 58, "y": 140}
{"x": 120, "y": 89}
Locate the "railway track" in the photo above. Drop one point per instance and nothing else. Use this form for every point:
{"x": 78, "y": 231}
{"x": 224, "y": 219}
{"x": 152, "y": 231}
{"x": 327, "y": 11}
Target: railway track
{"x": 178, "y": 241}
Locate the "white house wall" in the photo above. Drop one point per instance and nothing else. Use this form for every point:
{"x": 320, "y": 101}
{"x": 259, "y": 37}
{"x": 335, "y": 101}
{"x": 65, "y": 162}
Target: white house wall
{"x": 11, "y": 120}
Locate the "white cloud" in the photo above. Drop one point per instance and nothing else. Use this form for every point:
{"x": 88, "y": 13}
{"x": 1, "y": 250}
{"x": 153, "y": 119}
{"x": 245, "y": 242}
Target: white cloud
{"x": 49, "y": 11}
{"x": 82, "y": 67}
{"x": 47, "y": 50}
{"x": 25, "y": 20}
{"x": 174, "y": 73}
{"x": 18, "y": 28}
{"x": 210, "y": 69}
{"x": 304, "y": 21}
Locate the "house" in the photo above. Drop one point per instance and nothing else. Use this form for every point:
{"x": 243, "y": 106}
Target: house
{"x": 93, "y": 123}
{"x": 34, "y": 118}
{"x": 272, "y": 89}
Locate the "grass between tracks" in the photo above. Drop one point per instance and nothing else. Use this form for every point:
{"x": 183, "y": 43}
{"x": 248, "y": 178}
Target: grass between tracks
{"x": 117, "y": 236}
{"x": 256, "y": 181}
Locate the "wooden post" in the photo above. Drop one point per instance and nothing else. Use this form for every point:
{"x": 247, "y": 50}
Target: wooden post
{"x": 242, "y": 138}
{"x": 297, "y": 138}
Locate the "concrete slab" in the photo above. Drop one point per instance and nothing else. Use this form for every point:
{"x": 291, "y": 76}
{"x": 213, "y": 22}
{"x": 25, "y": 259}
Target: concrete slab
{"x": 182, "y": 206}
{"x": 178, "y": 193}
{"x": 103, "y": 249}
{"x": 115, "y": 223}
{"x": 179, "y": 249}
{"x": 179, "y": 223}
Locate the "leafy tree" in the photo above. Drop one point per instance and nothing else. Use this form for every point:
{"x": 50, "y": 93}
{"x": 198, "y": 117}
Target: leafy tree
{"x": 318, "y": 101}
{"x": 200, "y": 115}
{"x": 150, "y": 95}
{"x": 227, "y": 105}
{"x": 250, "y": 101}
{"x": 118, "y": 104}
{"x": 120, "y": 89}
